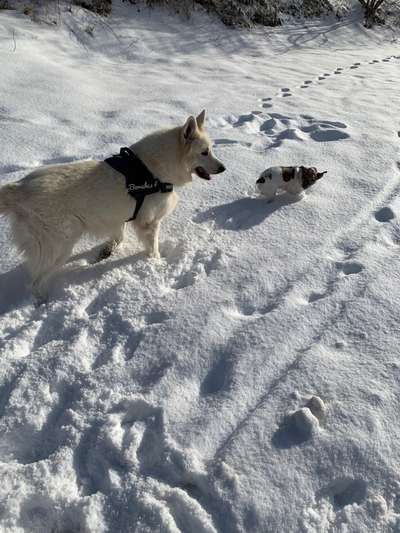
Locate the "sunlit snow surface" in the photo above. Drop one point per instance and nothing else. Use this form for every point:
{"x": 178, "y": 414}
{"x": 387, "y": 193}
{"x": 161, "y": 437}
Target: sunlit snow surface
{"x": 155, "y": 396}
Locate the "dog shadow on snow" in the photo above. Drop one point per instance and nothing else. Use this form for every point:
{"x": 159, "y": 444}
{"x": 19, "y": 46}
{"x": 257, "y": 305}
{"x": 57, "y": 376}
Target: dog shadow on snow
{"x": 84, "y": 268}
{"x": 80, "y": 269}
{"x": 241, "y": 214}
{"x": 244, "y": 213}
{"x": 13, "y": 289}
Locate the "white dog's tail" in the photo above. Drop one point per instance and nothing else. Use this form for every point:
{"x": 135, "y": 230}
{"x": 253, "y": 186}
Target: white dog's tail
{"x": 8, "y": 197}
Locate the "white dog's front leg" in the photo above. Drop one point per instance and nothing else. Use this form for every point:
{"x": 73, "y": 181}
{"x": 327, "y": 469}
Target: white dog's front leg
{"x": 148, "y": 234}
{"x": 110, "y": 246}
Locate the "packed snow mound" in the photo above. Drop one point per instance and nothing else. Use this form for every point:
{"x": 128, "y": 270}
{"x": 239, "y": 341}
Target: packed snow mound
{"x": 159, "y": 395}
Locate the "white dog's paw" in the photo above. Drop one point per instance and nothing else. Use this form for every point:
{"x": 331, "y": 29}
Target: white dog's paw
{"x": 104, "y": 253}
{"x": 40, "y": 292}
{"x": 40, "y": 298}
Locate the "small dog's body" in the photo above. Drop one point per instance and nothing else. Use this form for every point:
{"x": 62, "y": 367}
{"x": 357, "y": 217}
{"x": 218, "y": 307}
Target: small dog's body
{"x": 291, "y": 179}
{"x": 51, "y": 208}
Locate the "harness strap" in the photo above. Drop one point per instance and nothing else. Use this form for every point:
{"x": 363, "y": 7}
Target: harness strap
{"x": 139, "y": 180}
{"x": 139, "y": 202}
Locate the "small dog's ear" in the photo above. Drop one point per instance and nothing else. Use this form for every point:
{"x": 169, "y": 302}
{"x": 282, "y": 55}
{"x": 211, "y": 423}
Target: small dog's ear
{"x": 201, "y": 119}
{"x": 189, "y": 129}
{"x": 320, "y": 174}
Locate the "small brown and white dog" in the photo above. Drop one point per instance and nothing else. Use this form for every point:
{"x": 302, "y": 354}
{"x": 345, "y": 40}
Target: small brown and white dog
{"x": 294, "y": 180}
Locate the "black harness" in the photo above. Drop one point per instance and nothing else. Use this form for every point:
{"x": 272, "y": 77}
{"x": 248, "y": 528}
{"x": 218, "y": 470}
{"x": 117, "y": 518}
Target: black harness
{"x": 138, "y": 179}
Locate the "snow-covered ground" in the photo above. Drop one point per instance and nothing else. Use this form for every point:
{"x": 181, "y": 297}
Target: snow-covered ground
{"x": 156, "y": 396}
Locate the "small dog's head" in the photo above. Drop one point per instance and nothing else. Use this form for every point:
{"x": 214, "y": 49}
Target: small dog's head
{"x": 198, "y": 148}
{"x": 310, "y": 175}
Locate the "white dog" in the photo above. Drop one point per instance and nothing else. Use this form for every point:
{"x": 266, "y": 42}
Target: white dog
{"x": 291, "y": 179}
{"x": 51, "y": 208}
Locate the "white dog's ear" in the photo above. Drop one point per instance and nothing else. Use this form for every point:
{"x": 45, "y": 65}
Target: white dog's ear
{"x": 201, "y": 119}
{"x": 189, "y": 129}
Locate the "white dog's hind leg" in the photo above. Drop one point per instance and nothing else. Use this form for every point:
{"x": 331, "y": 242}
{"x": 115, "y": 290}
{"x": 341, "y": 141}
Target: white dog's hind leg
{"x": 43, "y": 268}
{"x": 46, "y": 247}
{"x": 148, "y": 234}
{"x": 110, "y": 246}
{"x": 39, "y": 287}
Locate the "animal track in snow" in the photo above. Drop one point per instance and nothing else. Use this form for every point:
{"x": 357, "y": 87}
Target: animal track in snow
{"x": 111, "y": 445}
{"x": 156, "y": 317}
{"x": 242, "y": 119}
{"x": 219, "y": 376}
{"x": 331, "y": 504}
{"x": 281, "y": 127}
{"x": 188, "y": 271}
{"x": 53, "y": 433}
{"x": 117, "y": 333}
{"x": 385, "y": 214}
{"x": 350, "y": 267}
{"x": 7, "y": 389}
{"x": 248, "y": 311}
{"x": 131, "y": 441}
{"x": 339, "y": 70}
{"x": 324, "y": 130}
{"x": 345, "y": 491}
{"x": 285, "y": 92}
{"x": 266, "y": 102}
{"x": 320, "y": 131}
{"x": 251, "y": 312}
{"x": 315, "y": 296}
{"x": 249, "y": 122}
{"x": 346, "y": 267}
{"x": 225, "y": 141}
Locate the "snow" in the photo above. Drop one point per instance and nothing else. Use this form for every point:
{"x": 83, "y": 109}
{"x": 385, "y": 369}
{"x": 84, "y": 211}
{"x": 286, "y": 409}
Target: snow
{"x": 155, "y": 395}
